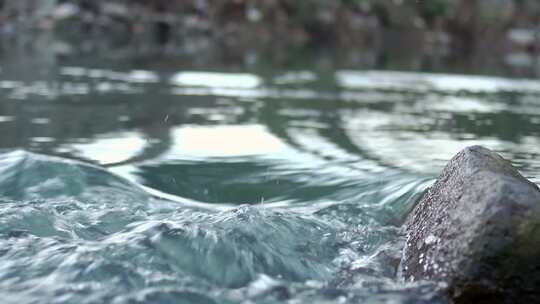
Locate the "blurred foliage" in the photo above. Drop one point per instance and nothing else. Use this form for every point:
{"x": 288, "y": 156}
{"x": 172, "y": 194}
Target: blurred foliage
{"x": 343, "y": 23}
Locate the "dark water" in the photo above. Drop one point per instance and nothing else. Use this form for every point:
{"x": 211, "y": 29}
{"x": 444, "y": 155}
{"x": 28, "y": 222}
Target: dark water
{"x": 233, "y": 187}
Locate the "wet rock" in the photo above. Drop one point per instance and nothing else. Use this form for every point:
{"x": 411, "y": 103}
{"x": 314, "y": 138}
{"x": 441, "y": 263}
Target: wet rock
{"x": 477, "y": 229}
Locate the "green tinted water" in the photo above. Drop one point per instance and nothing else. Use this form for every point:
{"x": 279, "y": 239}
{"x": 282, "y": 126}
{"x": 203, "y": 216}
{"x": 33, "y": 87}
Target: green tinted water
{"x": 233, "y": 187}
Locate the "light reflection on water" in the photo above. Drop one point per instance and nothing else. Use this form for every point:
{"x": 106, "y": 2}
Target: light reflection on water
{"x": 327, "y": 166}
{"x": 224, "y": 141}
{"x": 409, "y": 81}
{"x": 412, "y": 122}
{"x": 216, "y": 80}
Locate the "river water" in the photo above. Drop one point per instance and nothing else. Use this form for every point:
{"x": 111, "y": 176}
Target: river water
{"x": 231, "y": 186}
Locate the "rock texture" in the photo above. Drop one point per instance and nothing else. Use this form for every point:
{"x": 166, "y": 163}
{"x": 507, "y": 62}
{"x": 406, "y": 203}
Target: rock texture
{"x": 478, "y": 230}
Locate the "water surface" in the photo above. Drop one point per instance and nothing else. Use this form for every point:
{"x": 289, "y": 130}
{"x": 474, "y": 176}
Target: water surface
{"x": 221, "y": 186}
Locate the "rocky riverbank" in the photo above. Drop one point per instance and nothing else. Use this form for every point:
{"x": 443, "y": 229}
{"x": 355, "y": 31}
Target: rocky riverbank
{"x": 458, "y": 24}
{"x": 387, "y": 34}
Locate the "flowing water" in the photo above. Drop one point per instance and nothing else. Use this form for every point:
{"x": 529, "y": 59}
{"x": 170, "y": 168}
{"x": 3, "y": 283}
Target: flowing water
{"x": 219, "y": 186}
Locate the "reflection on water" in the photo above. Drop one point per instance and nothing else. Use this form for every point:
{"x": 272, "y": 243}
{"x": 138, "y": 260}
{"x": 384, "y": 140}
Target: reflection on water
{"x": 216, "y": 80}
{"x": 364, "y": 121}
{"x": 324, "y": 164}
{"x": 423, "y": 82}
{"x": 102, "y": 148}
{"x": 224, "y": 141}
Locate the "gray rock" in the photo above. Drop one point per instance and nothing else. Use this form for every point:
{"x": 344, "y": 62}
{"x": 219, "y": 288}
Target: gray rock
{"x": 477, "y": 229}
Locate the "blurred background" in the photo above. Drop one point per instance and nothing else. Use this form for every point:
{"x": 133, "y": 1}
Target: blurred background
{"x": 481, "y": 36}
